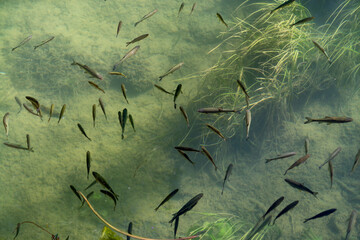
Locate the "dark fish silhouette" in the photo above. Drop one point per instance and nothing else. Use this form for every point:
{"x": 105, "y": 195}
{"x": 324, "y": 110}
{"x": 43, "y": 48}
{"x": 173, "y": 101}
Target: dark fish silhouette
{"x": 102, "y": 181}
{"x": 187, "y": 207}
{"x": 300, "y": 186}
{"x": 286, "y": 209}
{"x": 83, "y": 131}
{"x": 285, "y": 155}
{"x": 302, "y": 21}
{"x": 88, "y": 163}
{"x": 282, "y": 5}
{"x": 167, "y": 198}
{"x": 273, "y": 206}
{"x": 75, "y": 192}
{"x": 329, "y": 120}
{"x": 129, "y": 231}
{"x": 185, "y": 156}
{"x": 322, "y": 214}
{"x": 109, "y": 194}
{"x": 227, "y": 175}
{"x": 186, "y": 149}
{"x": 298, "y": 162}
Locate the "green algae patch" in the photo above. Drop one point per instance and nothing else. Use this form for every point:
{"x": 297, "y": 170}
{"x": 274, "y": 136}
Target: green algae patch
{"x": 108, "y": 234}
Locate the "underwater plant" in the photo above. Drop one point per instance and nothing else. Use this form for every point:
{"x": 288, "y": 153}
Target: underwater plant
{"x": 279, "y": 63}
{"x": 225, "y": 227}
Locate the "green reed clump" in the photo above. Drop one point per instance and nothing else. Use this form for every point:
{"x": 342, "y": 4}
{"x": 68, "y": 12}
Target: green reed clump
{"x": 277, "y": 63}
{"x": 224, "y": 227}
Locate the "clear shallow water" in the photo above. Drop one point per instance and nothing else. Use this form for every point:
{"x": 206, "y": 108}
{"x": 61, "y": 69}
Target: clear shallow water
{"x": 35, "y": 186}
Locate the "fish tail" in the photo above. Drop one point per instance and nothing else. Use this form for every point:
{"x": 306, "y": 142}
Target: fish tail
{"x": 35, "y": 47}
{"x": 285, "y": 172}
{"x": 160, "y": 78}
{"x": 267, "y": 160}
{"x": 306, "y": 220}
{"x": 309, "y": 120}
{"x": 114, "y": 67}
{"x": 73, "y": 63}
{"x": 315, "y": 193}
{"x": 127, "y": 43}
{"x": 156, "y": 209}
{"x": 136, "y": 24}
{"x": 122, "y": 136}
{"x": 175, "y": 105}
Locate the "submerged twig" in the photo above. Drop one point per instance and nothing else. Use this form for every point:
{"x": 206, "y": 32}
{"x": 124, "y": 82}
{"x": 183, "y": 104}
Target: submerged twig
{"x": 124, "y": 232}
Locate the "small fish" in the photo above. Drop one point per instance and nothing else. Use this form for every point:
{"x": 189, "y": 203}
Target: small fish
{"x": 139, "y": 38}
{"x": 286, "y": 209}
{"x": 282, "y": 5}
{"x": 332, "y": 156}
{"x": 129, "y": 230}
{"x": 302, "y": 21}
{"x": 118, "y": 28}
{"x": 123, "y": 89}
{"x": 273, "y": 206}
{"x": 17, "y": 229}
{"x": 176, "y": 226}
{"x": 20, "y": 104}
{"x": 51, "y": 111}
{"x": 67, "y": 238}
{"x": 102, "y": 181}
{"x": 177, "y": 93}
{"x": 132, "y": 122}
{"x": 322, "y": 50}
{"x": 186, "y": 149}
{"x": 88, "y": 163}
{"x": 192, "y": 9}
{"x": 331, "y": 172}
{"x": 87, "y": 197}
{"x": 221, "y": 19}
{"x": 181, "y": 8}
{"x": 83, "y": 131}
{"x": 171, "y": 70}
{"x": 44, "y": 42}
{"x": 29, "y": 110}
{"x": 22, "y": 42}
{"x": 62, "y": 112}
{"x": 35, "y": 104}
{"x": 242, "y": 86}
{"x": 120, "y": 118}
{"x": 298, "y": 162}
{"x": 186, "y": 156}
{"x": 96, "y": 86}
{"x": 204, "y": 150}
{"x": 146, "y": 17}
{"x": 162, "y": 89}
{"x": 102, "y": 107}
{"x": 322, "y": 214}
{"x": 88, "y": 70}
{"x": 285, "y": 155}
{"x": 187, "y": 207}
{"x": 132, "y": 52}
{"x": 352, "y": 222}
{"x": 111, "y": 195}
{"x": 356, "y": 163}
{"x": 227, "y": 175}
{"x": 75, "y": 192}
{"x": 300, "y": 186}
{"x": 117, "y": 73}
{"x": 123, "y": 122}
{"x": 216, "y": 110}
{"x": 306, "y": 146}
{"x": 28, "y": 141}
{"x": 215, "y": 130}
{"x": 18, "y": 146}
{"x": 94, "y": 113}
{"x": 182, "y": 110}
{"x": 168, "y": 197}
{"x": 248, "y": 122}
{"x": 91, "y": 184}
{"x": 6, "y": 123}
